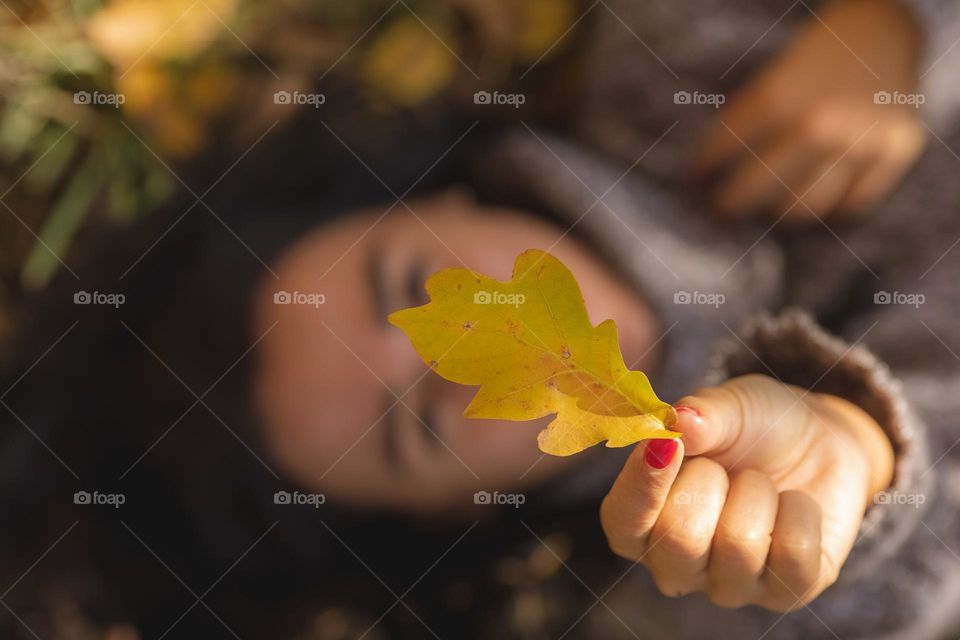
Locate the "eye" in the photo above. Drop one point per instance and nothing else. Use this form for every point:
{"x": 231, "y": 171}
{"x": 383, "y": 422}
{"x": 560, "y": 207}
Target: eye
{"x": 416, "y": 276}
{"x": 428, "y": 424}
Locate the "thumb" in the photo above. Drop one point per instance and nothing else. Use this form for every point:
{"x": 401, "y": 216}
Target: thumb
{"x": 632, "y": 506}
{"x": 752, "y": 421}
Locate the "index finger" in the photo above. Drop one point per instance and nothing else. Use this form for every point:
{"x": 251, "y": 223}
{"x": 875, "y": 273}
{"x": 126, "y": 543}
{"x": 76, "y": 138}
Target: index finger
{"x": 631, "y": 508}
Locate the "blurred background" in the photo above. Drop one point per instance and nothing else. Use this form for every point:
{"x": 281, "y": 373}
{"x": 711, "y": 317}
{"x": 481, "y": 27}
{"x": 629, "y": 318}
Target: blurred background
{"x": 107, "y": 109}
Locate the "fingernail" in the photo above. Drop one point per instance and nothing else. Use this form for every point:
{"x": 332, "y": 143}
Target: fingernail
{"x": 660, "y": 452}
{"x": 691, "y": 410}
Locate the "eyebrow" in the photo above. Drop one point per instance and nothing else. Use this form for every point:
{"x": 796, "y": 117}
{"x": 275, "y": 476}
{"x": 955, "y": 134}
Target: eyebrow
{"x": 375, "y": 279}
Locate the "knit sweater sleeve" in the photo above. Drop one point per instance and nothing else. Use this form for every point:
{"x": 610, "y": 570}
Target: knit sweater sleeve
{"x": 793, "y": 348}
{"x": 939, "y": 22}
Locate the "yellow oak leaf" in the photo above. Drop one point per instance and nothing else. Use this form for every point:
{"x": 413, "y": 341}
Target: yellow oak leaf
{"x": 529, "y": 345}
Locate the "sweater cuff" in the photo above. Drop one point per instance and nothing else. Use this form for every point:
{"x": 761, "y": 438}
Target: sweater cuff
{"x": 793, "y": 348}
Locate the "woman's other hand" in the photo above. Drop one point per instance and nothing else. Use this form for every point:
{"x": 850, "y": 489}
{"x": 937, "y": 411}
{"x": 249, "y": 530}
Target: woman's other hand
{"x": 831, "y": 124}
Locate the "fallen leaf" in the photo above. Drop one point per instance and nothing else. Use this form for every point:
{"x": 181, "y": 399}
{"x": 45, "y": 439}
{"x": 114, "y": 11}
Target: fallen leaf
{"x": 409, "y": 63}
{"x": 529, "y": 345}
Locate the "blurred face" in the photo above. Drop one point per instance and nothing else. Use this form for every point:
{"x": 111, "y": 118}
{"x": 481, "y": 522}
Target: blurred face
{"x": 348, "y": 407}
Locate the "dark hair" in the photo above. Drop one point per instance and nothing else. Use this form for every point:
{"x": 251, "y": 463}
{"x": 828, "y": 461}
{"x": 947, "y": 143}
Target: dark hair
{"x": 149, "y": 400}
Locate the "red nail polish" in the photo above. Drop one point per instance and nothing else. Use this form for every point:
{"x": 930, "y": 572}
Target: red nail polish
{"x": 660, "y": 452}
{"x": 691, "y": 410}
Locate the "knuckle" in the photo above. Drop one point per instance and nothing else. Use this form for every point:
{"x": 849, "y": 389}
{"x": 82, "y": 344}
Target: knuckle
{"x": 798, "y": 549}
{"x": 757, "y": 479}
{"x": 757, "y": 380}
{"x": 623, "y": 538}
{"x": 705, "y": 466}
{"x": 684, "y": 543}
{"x": 748, "y": 388}
{"x": 746, "y": 394}
{"x": 741, "y": 546}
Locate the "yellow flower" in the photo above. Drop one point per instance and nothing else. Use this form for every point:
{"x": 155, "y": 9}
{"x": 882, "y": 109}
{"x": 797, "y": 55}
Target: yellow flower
{"x": 126, "y": 31}
{"x": 408, "y": 64}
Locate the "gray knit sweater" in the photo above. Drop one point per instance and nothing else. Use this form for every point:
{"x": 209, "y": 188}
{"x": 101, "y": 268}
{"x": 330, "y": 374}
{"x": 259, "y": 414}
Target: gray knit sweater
{"x": 889, "y": 350}
{"x": 897, "y": 361}
{"x": 866, "y": 311}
